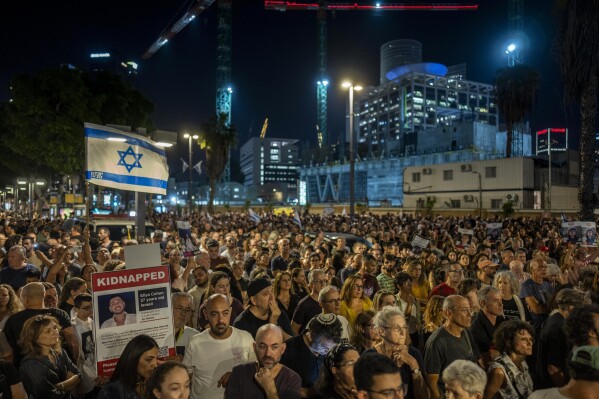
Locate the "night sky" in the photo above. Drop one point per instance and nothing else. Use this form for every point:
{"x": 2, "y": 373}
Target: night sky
{"x": 274, "y": 55}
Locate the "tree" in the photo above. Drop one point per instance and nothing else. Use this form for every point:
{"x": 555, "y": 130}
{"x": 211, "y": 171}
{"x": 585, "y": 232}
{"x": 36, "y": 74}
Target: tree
{"x": 578, "y": 52}
{"x": 217, "y": 137}
{"x": 42, "y": 125}
{"x": 515, "y": 92}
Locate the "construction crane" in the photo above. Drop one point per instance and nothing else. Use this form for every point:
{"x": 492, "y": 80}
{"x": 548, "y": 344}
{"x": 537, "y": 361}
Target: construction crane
{"x": 224, "y": 88}
{"x": 322, "y": 7}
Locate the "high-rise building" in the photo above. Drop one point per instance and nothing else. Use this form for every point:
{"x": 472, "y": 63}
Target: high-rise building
{"x": 271, "y": 163}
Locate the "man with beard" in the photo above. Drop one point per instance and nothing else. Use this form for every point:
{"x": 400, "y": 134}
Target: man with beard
{"x": 212, "y": 354}
{"x": 200, "y": 278}
{"x": 119, "y": 315}
{"x": 266, "y": 379}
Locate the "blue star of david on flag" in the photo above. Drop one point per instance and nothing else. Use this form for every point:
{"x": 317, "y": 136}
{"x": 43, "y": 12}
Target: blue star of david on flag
{"x": 136, "y": 157}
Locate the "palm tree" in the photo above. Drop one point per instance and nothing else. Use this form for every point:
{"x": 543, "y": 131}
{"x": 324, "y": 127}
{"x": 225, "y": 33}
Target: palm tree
{"x": 578, "y": 52}
{"x": 218, "y": 138}
{"x": 515, "y": 92}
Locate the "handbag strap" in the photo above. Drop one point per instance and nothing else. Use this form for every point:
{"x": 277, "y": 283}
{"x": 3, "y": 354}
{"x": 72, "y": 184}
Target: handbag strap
{"x": 511, "y": 376}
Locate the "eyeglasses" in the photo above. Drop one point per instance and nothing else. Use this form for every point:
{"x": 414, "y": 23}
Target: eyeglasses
{"x": 400, "y": 391}
{"x": 41, "y": 318}
{"x": 396, "y": 328}
{"x": 334, "y": 301}
{"x": 183, "y": 310}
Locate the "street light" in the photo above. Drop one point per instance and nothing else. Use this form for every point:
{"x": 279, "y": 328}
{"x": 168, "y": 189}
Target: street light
{"x": 189, "y": 138}
{"x": 352, "y": 188}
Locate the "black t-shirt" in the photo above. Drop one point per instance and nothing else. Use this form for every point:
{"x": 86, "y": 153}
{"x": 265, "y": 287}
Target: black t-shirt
{"x": 14, "y": 325}
{"x": 306, "y": 309}
{"x": 442, "y": 349}
{"x": 278, "y": 263}
{"x": 9, "y": 376}
{"x": 299, "y": 358}
{"x": 67, "y": 307}
{"x": 482, "y": 330}
{"x": 510, "y": 309}
{"x": 242, "y": 383}
{"x": 248, "y": 322}
{"x": 553, "y": 348}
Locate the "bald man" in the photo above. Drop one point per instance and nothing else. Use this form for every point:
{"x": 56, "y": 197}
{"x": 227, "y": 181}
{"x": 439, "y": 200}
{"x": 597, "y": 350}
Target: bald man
{"x": 212, "y": 354}
{"x": 267, "y": 378}
{"x": 32, "y": 296}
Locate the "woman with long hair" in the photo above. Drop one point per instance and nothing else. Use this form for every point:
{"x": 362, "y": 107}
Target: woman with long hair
{"x": 421, "y": 288}
{"x": 383, "y": 298}
{"x": 509, "y": 287}
{"x": 353, "y": 299}
{"x": 73, "y": 287}
{"x": 134, "y": 368}
{"x": 364, "y": 335}
{"x": 283, "y": 290}
{"x": 169, "y": 380}
{"x": 46, "y": 371}
{"x": 299, "y": 282}
{"x": 336, "y": 380}
{"x": 9, "y": 303}
{"x": 432, "y": 317}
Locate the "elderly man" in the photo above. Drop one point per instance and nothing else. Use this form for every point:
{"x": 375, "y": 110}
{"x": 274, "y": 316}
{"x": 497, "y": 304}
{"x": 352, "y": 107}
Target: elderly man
{"x": 464, "y": 380}
{"x": 330, "y": 302}
{"x": 536, "y": 292}
{"x": 212, "y": 354}
{"x": 486, "y": 321}
{"x": 517, "y": 267}
{"x": 183, "y": 307}
{"x": 15, "y": 274}
{"x": 268, "y": 379}
{"x": 451, "y": 341}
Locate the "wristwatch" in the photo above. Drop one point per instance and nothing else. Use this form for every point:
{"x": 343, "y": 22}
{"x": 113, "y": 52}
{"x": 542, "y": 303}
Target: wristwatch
{"x": 416, "y": 371}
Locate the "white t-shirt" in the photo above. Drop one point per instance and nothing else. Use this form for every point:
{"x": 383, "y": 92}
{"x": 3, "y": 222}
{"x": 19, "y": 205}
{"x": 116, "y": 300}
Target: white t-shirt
{"x": 87, "y": 354}
{"x": 209, "y": 359}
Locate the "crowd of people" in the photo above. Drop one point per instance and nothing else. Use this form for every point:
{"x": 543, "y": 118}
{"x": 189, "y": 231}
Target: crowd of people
{"x": 271, "y": 310}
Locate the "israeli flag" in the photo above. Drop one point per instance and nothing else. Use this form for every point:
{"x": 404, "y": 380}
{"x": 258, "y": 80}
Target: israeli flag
{"x": 254, "y": 216}
{"x": 296, "y": 218}
{"x": 124, "y": 161}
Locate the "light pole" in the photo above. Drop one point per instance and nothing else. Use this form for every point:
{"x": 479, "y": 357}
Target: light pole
{"x": 480, "y": 194}
{"x": 189, "y": 138}
{"x": 352, "y": 171}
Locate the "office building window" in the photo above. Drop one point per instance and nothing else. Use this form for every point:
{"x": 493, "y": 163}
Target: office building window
{"x": 496, "y": 203}
{"x": 415, "y": 177}
{"x": 448, "y": 175}
{"x": 490, "y": 172}
{"x": 455, "y": 203}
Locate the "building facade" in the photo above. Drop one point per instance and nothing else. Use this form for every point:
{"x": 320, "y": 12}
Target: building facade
{"x": 270, "y": 166}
